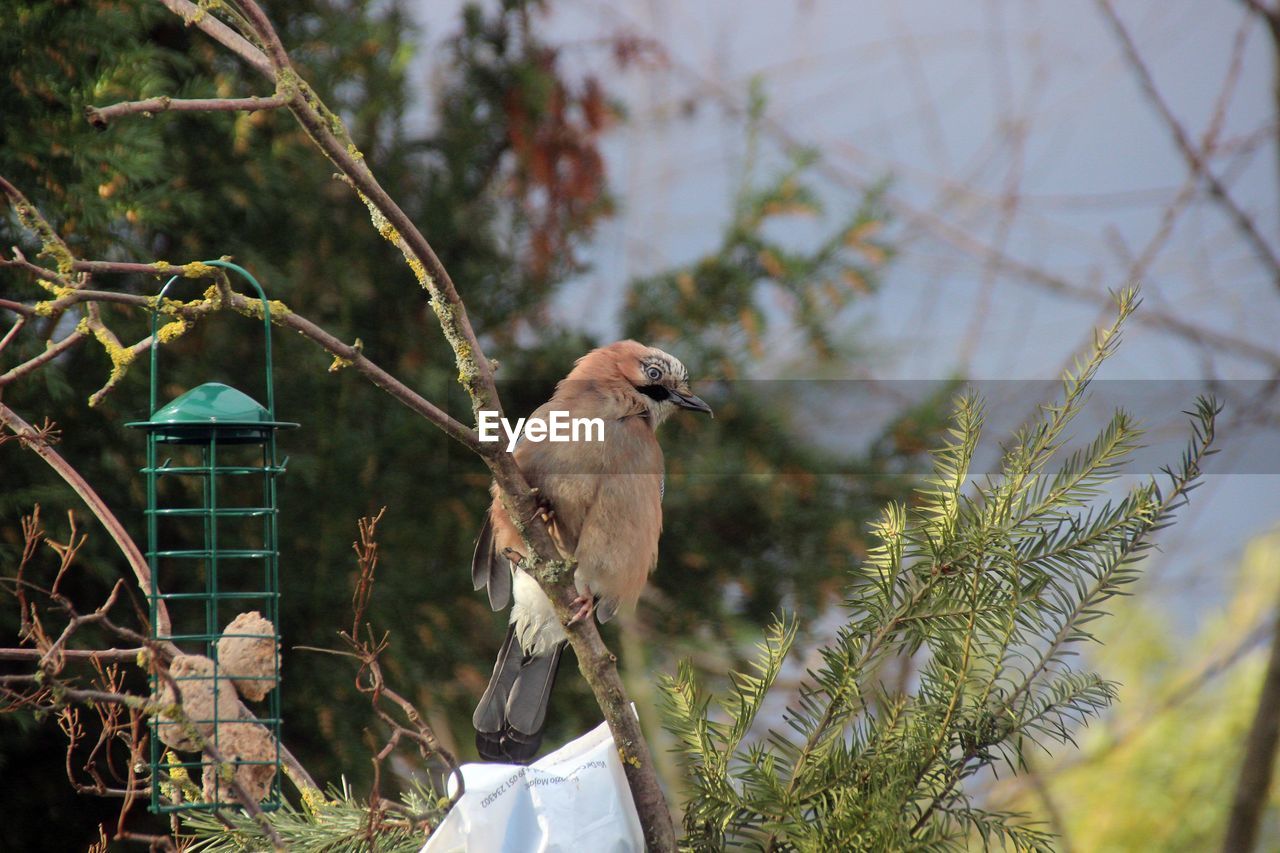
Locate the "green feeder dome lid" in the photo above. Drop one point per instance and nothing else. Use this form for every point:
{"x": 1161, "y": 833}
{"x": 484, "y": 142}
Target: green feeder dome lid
{"x": 209, "y": 409}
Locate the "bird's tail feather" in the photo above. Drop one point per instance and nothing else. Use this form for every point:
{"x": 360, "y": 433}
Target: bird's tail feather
{"x": 513, "y": 710}
{"x": 490, "y": 715}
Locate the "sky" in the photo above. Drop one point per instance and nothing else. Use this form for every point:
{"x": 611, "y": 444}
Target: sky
{"x": 1029, "y": 174}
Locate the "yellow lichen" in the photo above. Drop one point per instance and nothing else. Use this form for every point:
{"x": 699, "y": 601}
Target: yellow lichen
{"x": 121, "y": 356}
{"x": 172, "y": 331}
{"x": 313, "y": 800}
{"x": 196, "y": 269}
{"x": 177, "y": 772}
{"x": 253, "y": 308}
{"x": 162, "y": 266}
{"x": 171, "y": 307}
{"x": 180, "y": 787}
{"x": 385, "y": 228}
{"x": 51, "y": 246}
{"x": 420, "y": 273}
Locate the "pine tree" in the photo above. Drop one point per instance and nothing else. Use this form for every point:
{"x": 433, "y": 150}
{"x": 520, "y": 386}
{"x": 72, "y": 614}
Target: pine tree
{"x": 989, "y": 588}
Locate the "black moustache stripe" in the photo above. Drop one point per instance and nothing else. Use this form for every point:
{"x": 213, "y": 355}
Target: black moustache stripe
{"x": 656, "y": 392}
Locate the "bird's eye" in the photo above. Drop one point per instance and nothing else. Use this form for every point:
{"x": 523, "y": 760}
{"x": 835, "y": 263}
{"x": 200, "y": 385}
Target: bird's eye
{"x": 653, "y": 373}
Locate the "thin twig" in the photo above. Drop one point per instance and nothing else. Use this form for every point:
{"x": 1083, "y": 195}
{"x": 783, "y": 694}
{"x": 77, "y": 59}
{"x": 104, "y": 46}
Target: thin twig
{"x": 100, "y": 117}
{"x": 543, "y": 559}
{"x": 203, "y": 20}
{"x": 1195, "y": 161}
{"x": 30, "y": 437}
{"x": 33, "y": 655}
{"x": 963, "y": 240}
{"x": 347, "y": 355}
{"x": 73, "y": 337}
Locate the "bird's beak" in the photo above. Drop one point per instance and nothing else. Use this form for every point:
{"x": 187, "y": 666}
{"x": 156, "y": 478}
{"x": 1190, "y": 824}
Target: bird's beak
{"x": 690, "y": 401}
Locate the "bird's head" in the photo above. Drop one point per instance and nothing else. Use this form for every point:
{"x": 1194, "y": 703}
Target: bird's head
{"x": 645, "y": 375}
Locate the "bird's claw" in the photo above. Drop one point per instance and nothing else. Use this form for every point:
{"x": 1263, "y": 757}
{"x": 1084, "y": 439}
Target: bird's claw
{"x": 544, "y": 510}
{"x": 583, "y": 606}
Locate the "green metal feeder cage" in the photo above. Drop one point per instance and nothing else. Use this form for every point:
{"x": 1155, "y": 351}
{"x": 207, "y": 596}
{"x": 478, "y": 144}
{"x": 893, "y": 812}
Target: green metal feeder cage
{"x": 212, "y": 545}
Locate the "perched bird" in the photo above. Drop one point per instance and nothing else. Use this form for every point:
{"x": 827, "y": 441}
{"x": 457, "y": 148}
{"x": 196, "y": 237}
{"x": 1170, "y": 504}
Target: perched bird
{"x": 604, "y": 501}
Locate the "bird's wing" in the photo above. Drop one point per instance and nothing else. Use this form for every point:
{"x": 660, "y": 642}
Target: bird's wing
{"x": 490, "y": 569}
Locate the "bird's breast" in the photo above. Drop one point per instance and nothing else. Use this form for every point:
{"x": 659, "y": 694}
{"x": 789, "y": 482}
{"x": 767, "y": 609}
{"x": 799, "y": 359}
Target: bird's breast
{"x": 607, "y": 499}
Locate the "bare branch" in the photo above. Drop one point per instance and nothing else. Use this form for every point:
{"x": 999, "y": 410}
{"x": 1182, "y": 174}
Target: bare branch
{"x": 202, "y": 19}
{"x": 370, "y": 680}
{"x": 16, "y": 327}
{"x": 34, "y": 655}
{"x": 30, "y": 437}
{"x": 121, "y": 356}
{"x": 51, "y": 352}
{"x": 476, "y": 375}
{"x": 964, "y": 241}
{"x": 1258, "y": 763}
{"x": 1195, "y": 161}
{"x": 263, "y": 29}
{"x": 345, "y": 355}
{"x": 100, "y": 117}
{"x": 160, "y": 268}
{"x": 352, "y": 355}
{"x": 20, "y": 261}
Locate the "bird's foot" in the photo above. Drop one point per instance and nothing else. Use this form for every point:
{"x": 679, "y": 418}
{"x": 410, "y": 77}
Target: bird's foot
{"x": 583, "y": 606}
{"x": 544, "y": 510}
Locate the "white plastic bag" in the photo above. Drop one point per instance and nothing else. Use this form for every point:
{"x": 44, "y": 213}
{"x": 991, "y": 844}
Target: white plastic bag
{"x": 575, "y": 799}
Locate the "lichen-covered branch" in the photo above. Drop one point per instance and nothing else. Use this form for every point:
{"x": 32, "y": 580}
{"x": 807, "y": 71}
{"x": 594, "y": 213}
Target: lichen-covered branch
{"x": 182, "y": 316}
{"x": 199, "y": 17}
{"x": 252, "y": 37}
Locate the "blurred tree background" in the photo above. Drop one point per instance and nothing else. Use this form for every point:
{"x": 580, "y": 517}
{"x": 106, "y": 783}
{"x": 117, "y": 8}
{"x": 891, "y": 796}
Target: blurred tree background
{"x": 1174, "y": 742}
{"x": 501, "y": 168}
{"x": 1034, "y": 162}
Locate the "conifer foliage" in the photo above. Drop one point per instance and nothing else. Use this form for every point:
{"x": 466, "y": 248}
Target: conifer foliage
{"x": 987, "y": 589}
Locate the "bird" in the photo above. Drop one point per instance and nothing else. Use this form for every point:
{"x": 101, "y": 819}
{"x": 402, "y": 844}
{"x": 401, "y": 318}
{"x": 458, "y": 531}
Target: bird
{"x": 603, "y": 500}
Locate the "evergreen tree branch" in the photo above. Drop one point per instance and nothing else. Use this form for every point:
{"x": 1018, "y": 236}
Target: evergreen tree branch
{"x": 1152, "y": 511}
{"x": 986, "y": 586}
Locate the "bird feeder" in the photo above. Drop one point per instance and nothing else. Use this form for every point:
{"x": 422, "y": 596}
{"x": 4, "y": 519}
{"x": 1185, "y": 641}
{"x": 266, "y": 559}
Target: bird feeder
{"x": 212, "y": 545}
